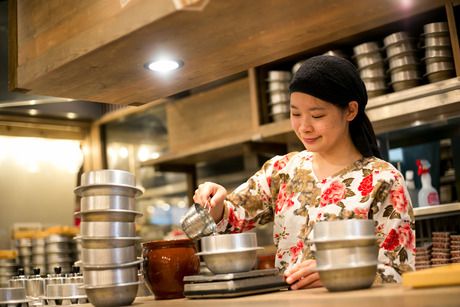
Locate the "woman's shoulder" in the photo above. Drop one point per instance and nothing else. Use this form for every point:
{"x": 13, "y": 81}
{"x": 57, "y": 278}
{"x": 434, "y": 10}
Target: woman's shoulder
{"x": 381, "y": 168}
{"x": 281, "y": 161}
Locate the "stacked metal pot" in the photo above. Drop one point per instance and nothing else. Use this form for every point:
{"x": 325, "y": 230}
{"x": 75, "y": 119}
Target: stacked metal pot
{"x": 8, "y": 266}
{"x": 278, "y": 91}
{"x": 371, "y": 67}
{"x": 402, "y": 60}
{"x": 24, "y": 248}
{"x": 108, "y": 237}
{"x": 438, "y": 52}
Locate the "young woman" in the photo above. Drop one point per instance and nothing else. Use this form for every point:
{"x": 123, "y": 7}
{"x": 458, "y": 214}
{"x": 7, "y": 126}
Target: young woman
{"x": 339, "y": 175}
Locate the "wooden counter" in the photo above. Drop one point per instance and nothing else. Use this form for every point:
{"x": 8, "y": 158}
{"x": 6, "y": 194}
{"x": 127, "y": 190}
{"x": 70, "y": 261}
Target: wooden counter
{"x": 388, "y": 295}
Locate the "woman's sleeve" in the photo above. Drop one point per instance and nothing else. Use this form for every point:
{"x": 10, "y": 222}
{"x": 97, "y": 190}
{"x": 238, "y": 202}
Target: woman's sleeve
{"x": 251, "y": 203}
{"x": 395, "y": 224}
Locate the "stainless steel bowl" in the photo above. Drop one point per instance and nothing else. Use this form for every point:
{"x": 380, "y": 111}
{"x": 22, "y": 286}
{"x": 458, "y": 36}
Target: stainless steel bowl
{"x": 396, "y": 38}
{"x": 108, "y": 189}
{"x": 103, "y": 256}
{"x": 110, "y": 275}
{"x": 108, "y": 229}
{"x": 438, "y": 52}
{"x": 437, "y": 71}
{"x": 375, "y": 84}
{"x": 58, "y": 247}
{"x": 404, "y": 85}
{"x": 439, "y": 66}
{"x": 373, "y": 72}
{"x": 108, "y": 176}
{"x": 65, "y": 291}
{"x": 279, "y": 97}
{"x": 365, "y": 48}
{"x": 278, "y": 108}
{"x": 12, "y": 296}
{"x": 348, "y": 278}
{"x": 437, "y": 41}
{"x": 400, "y": 49}
{"x": 404, "y": 75}
{"x": 58, "y": 257}
{"x": 114, "y": 295}
{"x": 369, "y": 59}
{"x": 229, "y": 242}
{"x": 107, "y": 202}
{"x": 109, "y": 215}
{"x": 279, "y": 116}
{"x": 402, "y": 62}
{"x": 279, "y": 75}
{"x": 230, "y": 261}
{"x": 278, "y": 86}
{"x": 343, "y": 230}
{"x": 435, "y": 27}
{"x": 107, "y": 242}
{"x": 325, "y": 244}
{"x": 376, "y": 93}
{"x": 354, "y": 256}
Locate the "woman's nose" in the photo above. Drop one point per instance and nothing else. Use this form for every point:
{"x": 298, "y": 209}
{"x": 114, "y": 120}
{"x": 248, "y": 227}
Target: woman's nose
{"x": 305, "y": 126}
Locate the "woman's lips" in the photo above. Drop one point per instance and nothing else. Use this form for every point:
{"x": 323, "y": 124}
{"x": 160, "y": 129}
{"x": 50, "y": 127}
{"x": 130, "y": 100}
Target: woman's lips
{"x": 310, "y": 140}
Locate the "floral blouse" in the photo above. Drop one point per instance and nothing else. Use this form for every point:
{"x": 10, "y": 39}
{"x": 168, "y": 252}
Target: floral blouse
{"x": 286, "y": 191}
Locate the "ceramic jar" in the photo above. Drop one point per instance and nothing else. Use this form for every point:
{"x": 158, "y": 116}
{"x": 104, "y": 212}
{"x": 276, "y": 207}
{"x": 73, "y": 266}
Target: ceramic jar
{"x": 166, "y": 262}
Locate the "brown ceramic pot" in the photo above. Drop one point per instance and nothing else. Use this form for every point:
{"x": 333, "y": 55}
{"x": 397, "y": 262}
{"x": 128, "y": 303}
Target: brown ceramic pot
{"x": 165, "y": 265}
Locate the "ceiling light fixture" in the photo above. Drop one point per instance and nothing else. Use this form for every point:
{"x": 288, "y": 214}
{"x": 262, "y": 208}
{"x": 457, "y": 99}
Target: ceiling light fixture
{"x": 33, "y": 112}
{"x": 164, "y": 65}
{"x": 71, "y": 115}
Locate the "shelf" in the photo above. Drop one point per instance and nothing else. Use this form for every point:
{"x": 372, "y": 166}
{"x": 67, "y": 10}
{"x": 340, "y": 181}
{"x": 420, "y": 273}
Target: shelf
{"x": 436, "y": 211}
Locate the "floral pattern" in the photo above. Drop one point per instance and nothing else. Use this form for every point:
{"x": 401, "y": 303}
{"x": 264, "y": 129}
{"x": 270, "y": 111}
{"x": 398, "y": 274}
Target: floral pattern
{"x": 285, "y": 191}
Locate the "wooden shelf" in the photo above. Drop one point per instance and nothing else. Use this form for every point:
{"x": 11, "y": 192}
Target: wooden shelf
{"x": 436, "y": 211}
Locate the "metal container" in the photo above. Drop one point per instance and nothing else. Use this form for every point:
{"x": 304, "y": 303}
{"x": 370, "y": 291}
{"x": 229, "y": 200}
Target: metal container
{"x": 110, "y": 275}
{"x": 435, "y": 27}
{"x": 365, "y": 48}
{"x": 369, "y": 59}
{"x": 13, "y": 296}
{"x": 60, "y": 291}
{"x": 108, "y": 189}
{"x": 279, "y": 116}
{"x": 439, "y": 66}
{"x": 198, "y": 223}
{"x": 35, "y": 287}
{"x": 404, "y": 85}
{"x": 437, "y": 41}
{"x": 107, "y": 202}
{"x": 400, "y": 49}
{"x": 278, "y": 108}
{"x": 403, "y": 75}
{"x": 396, "y": 38}
{"x": 355, "y": 256}
{"x": 58, "y": 247}
{"x": 56, "y": 239}
{"x": 375, "y": 84}
{"x": 232, "y": 261}
{"x": 108, "y": 176}
{"x": 279, "y": 97}
{"x": 113, "y": 295}
{"x": 348, "y": 278}
{"x": 109, "y": 215}
{"x": 229, "y": 242}
{"x": 279, "y": 75}
{"x": 108, "y": 229}
{"x": 438, "y": 71}
{"x": 403, "y": 62}
{"x": 105, "y": 256}
{"x": 107, "y": 242}
{"x": 343, "y": 230}
{"x": 373, "y": 72}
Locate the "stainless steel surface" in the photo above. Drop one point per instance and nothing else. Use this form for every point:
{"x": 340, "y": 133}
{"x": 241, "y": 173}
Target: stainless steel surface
{"x": 229, "y": 242}
{"x": 58, "y": 247}
{"x": 108, "y": 189}
{"x": 375, "y": 84}
{"x": 278, "y": 108}
{"x": 114, "y": 295}
{"x": 230, "y": 276}
{"x": 108, "y": 176}
{"x": 279, "y": 75}
{"x": 365, "y": 48}
{"x": 370, "y": 59}
{"x": 372, "y": 72}
{"x": 396, "y": 38}
{"x": 437, "y": 41}
{"x": 404, "y": 75}
{"x": 108, "y": 229}
{"x": 340, "y": 258}
{"x": 62, "y": 291}
{"x": 197, "y": 223}
{"x": 58, "y": 258}
{"x": 404, "y": 85}
{"x": 402, "y": 61}
{"x": 279, "y": 97}
{"x": 325, "y": 244}
{"x": 17, "y": 282}
{"x": 440, "y": 52}
{"x": 278, "y": 86}
{"x": 56, "y": 239}
{"x": 107, "y": 242}
{"x": 109, "y": 215}
{"x": 348, "y": 279}
{"x": 230, "y": 261}
{"x": 439, "y": 66}
{"x": 104, "y": 202}
{"x": 35, "y": 287}
{"x": 111, "y": 276}
{"x": 435, "y": 27}
{"x": 12, "y": 295}
{"x": 279, "y": 116}
{"x": 109, "y": 255}
{"x": 400, "y": 49}
{"x": 343, "y": 229}
{"x": 440, "y": 75}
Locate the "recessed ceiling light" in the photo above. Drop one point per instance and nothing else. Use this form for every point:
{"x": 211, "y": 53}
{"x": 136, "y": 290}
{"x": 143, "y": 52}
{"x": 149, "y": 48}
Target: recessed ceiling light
{"x": 71, "y": 115}
{"x": 33, "y": 112}
{"x": 164, "y": 65}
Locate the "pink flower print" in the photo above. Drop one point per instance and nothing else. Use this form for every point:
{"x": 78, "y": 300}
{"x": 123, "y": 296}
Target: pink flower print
{"x": 399, "y": 200}
{"x": 365, "y": 187}
{"x": 333, "y": 194}
{"x": 406, "y": 237}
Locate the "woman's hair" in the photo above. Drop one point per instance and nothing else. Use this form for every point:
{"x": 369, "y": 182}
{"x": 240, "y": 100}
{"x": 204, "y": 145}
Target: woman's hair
{"x": 336, "y": 80}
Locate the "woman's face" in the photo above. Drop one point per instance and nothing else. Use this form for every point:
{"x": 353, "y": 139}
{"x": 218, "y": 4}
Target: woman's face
{"x": 320, "y": 126}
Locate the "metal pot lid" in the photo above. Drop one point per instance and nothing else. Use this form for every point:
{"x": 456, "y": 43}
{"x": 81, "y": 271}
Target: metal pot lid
{"x": 228, "y": 251}
{"x": 135, "y": 190}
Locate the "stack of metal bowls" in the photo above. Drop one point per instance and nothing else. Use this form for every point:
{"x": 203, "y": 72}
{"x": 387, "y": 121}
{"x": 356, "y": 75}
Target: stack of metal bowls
{"x": 108, "y": 237}
{"x": 346, "y": 254}
{"x": 59, "y": 253}
{"x": 230, "y": 253}
{"x": 24, "y": 248}
{"x": 8, "y": 266}
{"x": 13, "y": 297}
{"x": 371, "y": 67}
{"x": 438, "y": 52}
{"x": 402, "y": 61}
{"x": 278, "y": 91}
{"x": 39, "y": 251}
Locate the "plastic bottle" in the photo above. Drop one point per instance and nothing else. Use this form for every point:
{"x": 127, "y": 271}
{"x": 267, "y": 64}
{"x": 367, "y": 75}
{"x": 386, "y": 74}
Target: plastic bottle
{"x": 427, "y": 196}
{"x": 410, "y": 184}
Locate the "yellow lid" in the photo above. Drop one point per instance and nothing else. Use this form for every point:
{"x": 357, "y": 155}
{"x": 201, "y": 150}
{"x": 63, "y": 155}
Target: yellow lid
{"x": 7, "y": 254}
{"x": 62, "y": 230}
{"x": 24, "y": 234}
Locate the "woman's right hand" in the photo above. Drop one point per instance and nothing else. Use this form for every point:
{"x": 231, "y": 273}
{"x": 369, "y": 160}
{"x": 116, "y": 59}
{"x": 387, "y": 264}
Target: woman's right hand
{"x": 211, "y": 195}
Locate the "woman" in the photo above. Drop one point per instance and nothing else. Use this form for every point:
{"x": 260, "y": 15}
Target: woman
{"x": 339, "y": 176}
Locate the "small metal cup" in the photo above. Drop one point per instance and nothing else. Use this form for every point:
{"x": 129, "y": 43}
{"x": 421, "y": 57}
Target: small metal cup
{"x": 198, "y": 223}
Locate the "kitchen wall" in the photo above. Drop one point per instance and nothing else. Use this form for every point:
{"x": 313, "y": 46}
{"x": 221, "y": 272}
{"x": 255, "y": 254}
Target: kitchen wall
{"x": 37, "y": 178}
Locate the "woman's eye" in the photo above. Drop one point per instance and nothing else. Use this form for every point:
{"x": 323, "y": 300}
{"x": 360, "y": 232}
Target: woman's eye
{"x": 295, "y": 114}
{"x": 317, "y": 116}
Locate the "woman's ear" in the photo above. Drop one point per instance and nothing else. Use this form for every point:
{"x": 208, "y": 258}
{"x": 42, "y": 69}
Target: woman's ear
{"x": 352, "y": 110}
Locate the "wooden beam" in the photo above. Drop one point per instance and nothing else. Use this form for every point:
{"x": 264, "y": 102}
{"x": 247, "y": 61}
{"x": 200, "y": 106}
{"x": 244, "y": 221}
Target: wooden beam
{"x": 453, "y": 36}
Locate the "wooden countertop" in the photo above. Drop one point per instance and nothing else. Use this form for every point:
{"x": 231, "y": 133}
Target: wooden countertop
{"x": 387, "y": 295}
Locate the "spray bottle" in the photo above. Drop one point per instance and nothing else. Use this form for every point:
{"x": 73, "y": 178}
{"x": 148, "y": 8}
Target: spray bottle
{"x": 427, "y": 196}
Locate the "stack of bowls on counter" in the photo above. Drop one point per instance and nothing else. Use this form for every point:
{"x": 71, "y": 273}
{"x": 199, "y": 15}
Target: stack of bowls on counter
{"x": 108, "y": 236}
{"x": 402, "y": 61}
{"x": 39, "y": 251}
{"x": 278, "y": 91}
{"x": 13, "y": 297}
{"x": 59, "y": 253}
{"x": 8, "y": 266}
{"x": 438, "y": 52}
{"x": 24, "y": 248}
{"x": 371, "y": 67}
{"x": 346, "y": 253}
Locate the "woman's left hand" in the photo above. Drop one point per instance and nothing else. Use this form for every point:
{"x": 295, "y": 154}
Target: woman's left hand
{"x": 303, "y": 276}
